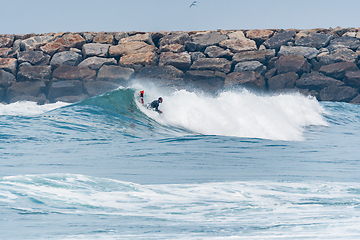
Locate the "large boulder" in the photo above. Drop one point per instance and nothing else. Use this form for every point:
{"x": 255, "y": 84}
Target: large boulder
{"x": 338, "y": 94}
{"x": 143, "y": 59}
{"x": 160, "y": 72}
{"x": 259, "y": 35}
{"x": 9, "y": 64}
{"x": 316, "y": 81}
{"x": 239, "y": 45}
{"x": 6, "y": 79}
{"x": 95, "y": 49}
{"x": 115, "y": 74}
{"x": 308, "y": 52}
{"x": 34, "y": 43}
{"x": 74, "y": 40}
{"x": 209, "y": 81}
{"x": 94, "y": 88}
{"x": 262, "y": 56}
{"x": 181, "y": 61}
{"x": 131, "y": 48}
{"x": 281, "y": 38}
{"x": 4, "y": 52}
{"x": 196, "y": 56}
{"x": 217, "y": 52}
{"x": 6, "y": 41}
{"x": 176, "y": 48}
{"x": 339, "y": 55}
{"x": 352, "y": 78}
{"x": 248, "y": 79}
{"x": 337, "y": 70}
{"x": 202, "y": 41}
{"x": 33, "y": 57}
{"x": 66, "y": 72}
{"x": 315, "y": 40}
{"x": 34, "y": 73}
{"x": 214, "y": 64}
{"x": 96, "y": 63}
{"x": 174, "y": 38}
{"x": 103, "y": 37}
{"x": 66, "y": 58}
{"x": 292, "y": 63}
{"x": 64, "y": 88}
{"x": 344, "y": 42}
{"x": 144, "y": 37}
{"x": 282, "y": 81}
{"x": 196, "y": 75}
{"x": 55, "y": 46}
{"x": 255, "y": 66}
{"x": 28, "y": 88}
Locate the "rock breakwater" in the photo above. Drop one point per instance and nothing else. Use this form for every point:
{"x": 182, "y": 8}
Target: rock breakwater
{"x": 74, "y": 66}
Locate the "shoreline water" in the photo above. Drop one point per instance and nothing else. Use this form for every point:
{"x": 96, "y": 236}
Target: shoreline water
{"x": 70, "y": 67}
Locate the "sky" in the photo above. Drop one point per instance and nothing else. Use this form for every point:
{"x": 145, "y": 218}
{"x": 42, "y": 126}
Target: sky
{"x": 42, "y": 16}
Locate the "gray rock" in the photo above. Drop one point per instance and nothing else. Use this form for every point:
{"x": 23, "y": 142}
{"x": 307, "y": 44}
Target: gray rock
{"x": 6, "y": 79}
{"x": 29, "y": 88}
{"x": 248, "y": 79}
{"x": 160, "y": 72}
{"x": 337, "y": 70}
{"x": 339, "y": 55}
{"x": 315, "y": 40}
{"x": 115, "y": 74}
{"x": 262, "y": 56}
{"x": 255, "y": 66}
{"x": 94, "y": 88}
{"x": 352, "y": 79}
{"x": 196, "y": 55}
{"x": 208, "y": 81}
{"x": 282, "y": 81}
{"x": 95, "y": 49}
{"x": 9, "y": 64}
{"x": 217, "y": 52}
{"x": 33, "y": 57}
{"x": 96, "y": 63}
{"x": 6, "y": 41}
{"x": 281, "y": 38}
{"x": 292, "y": 63}
{"x": 344, "y": 42}
{"x": 196, "y": 75}
{"x": 175, "y": 38}
{"x": 338, "y": 94}
{"x": 239, "y": 45}
{"x": 34, "y": 73}
{"x": 65, "y": 88}
{"x": 214, "y": 64}
{"x": 208, "y": 39}
{"x": 34, "y": 43}
{"x": 181, "y": 61}
{"x": 308, "y": 52}
{"x": 316, "y": 81}
{"x": 66, "y": 58}
{"x": 66, "y": 72}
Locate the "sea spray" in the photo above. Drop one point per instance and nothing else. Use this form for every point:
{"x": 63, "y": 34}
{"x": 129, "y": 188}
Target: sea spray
{"x": 241, "y": 114}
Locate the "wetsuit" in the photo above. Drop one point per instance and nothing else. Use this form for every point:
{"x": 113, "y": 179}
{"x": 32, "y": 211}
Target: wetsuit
{"x": 155, "y": 105}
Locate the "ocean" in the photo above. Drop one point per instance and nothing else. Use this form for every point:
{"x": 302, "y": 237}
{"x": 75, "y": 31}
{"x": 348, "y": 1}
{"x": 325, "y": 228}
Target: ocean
{"x": 235, "y": 165}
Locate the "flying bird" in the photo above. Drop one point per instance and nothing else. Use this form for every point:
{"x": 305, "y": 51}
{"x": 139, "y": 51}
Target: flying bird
{"x": 194, "y": 3}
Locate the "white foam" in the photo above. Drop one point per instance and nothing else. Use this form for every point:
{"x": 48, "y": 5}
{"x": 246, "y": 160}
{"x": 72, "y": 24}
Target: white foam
{"x": 241, "y": 114}
{"x": 26, "y": 108}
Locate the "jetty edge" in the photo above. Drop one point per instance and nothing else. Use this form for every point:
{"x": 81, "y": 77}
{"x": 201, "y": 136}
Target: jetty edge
{"x": 73, "y": 66}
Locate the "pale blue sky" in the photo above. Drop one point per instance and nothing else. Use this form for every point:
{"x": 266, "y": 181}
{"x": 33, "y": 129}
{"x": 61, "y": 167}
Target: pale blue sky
{"x": 40, "y": 16}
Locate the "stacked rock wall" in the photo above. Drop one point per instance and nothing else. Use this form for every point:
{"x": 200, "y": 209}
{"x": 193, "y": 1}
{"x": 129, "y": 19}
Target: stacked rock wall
{"x": 74, "y": 66}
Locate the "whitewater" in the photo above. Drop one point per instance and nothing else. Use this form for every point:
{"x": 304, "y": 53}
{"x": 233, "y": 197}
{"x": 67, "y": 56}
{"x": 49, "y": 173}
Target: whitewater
{"x": 232, "y": 165}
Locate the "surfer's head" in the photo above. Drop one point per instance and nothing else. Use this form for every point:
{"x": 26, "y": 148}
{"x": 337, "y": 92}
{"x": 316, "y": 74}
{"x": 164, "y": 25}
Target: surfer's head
{"x": 160, "y": 99}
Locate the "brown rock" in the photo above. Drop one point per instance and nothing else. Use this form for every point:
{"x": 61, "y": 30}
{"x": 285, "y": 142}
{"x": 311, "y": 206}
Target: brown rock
{"x": 282, "y": 81}
{"x": 352, "y": 78}
{"x": 63, "y": 88}
{"x": 28, "y": 88}
{"x": 239, "y": 45}
{"x": 247, "y": 79}
{"x": 67, "y": 72}
{"x": 259, "y": 34}
{"x": 292, "y": 63}
{"x": 8, "y": 64}
{"x": 6, "y": 41}
{"x": 4, "y": 52}
{"x": 53, "y": 47}
{"x": 176, "y": 48}
{"x": 337, "y": 70}
{"x": 114, "y": 73}
{"x": 34, "y": 73}
{"x": 218, "y": 52}
{"x": 130, "y": 48}
{"x": 74, "y": 40}
{"x": 214, "y": 64}
{"x": 160, "y": 72}
{"x": 338, "y": 94}
{"x": 144, "y": 59}
{"x": 262, "y": 56}
{"x": 103, "y": 37}
{"x": 138, "y": 37}
{"x": 316, "y": 81}
{"x": 181, "y": 61}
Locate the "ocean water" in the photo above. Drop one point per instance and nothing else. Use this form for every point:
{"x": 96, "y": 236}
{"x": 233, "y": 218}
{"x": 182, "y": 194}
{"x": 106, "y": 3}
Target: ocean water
{"x": 238, "y": 165}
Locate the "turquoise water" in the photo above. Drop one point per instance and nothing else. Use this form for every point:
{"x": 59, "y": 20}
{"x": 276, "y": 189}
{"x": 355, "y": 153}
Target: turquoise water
{"x": 233, "y": 166}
